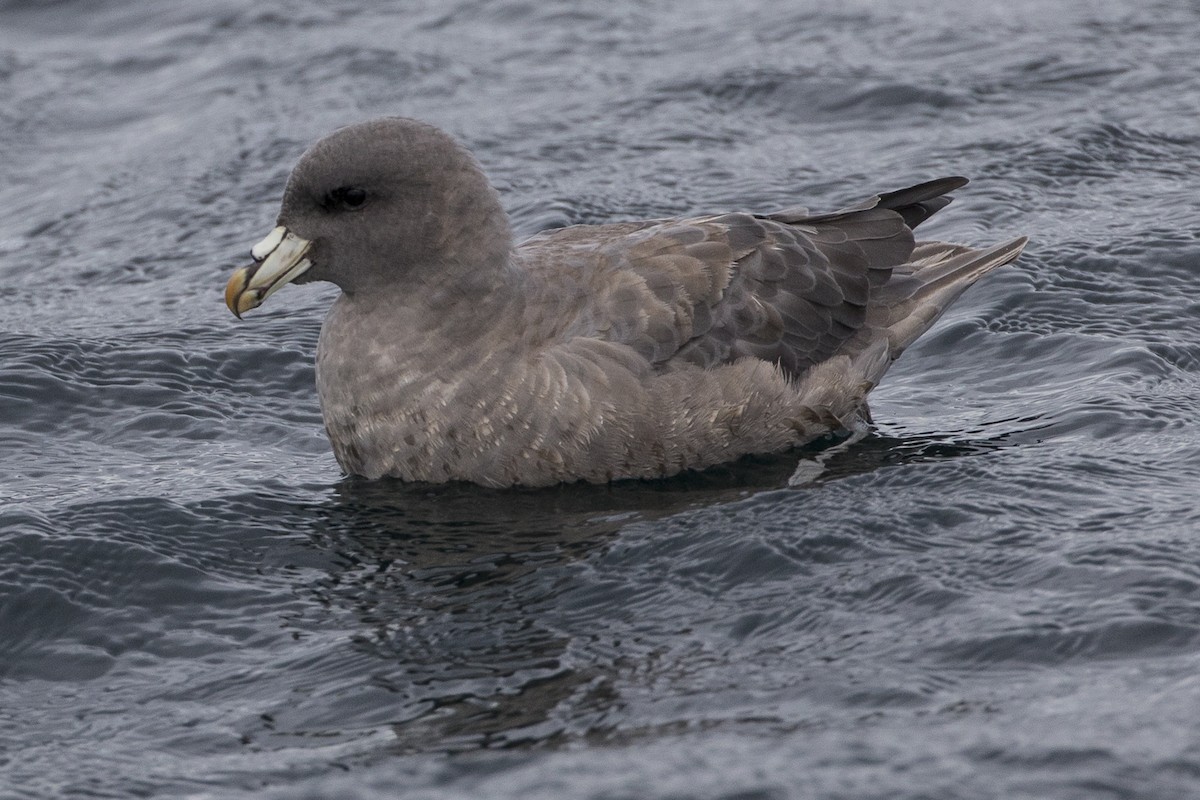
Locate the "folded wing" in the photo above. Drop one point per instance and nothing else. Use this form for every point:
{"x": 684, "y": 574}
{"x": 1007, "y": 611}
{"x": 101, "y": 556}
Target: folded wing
{"x": 790, "y": 288}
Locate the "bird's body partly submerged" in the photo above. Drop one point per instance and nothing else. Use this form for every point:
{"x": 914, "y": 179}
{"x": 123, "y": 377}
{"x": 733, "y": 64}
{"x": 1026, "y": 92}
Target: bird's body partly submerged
{"x": 629, "y": 350}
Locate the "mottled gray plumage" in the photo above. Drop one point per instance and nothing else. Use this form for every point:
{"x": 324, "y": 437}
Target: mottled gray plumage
{"x": 630, "y": 350}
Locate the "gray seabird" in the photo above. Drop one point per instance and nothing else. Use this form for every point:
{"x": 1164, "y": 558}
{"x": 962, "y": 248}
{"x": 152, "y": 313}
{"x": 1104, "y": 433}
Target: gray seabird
{"x": 593, "y": 352}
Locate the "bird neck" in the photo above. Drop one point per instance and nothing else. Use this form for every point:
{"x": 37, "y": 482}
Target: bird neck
{"x": 456, "y": 301}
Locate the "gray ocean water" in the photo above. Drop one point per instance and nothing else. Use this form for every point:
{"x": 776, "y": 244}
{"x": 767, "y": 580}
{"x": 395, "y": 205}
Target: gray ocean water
{"x": 995, "y": 595}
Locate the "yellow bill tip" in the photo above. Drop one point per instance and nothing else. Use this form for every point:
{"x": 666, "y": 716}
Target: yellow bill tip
{"x": 237, "y": 297}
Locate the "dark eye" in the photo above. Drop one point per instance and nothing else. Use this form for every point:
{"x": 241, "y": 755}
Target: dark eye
{"x": 346, "y": 197}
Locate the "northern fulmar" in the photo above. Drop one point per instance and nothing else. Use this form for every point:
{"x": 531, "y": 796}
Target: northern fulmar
{"x": 591, "y": 352}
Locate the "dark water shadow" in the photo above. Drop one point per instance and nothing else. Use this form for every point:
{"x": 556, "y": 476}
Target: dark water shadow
{"x": 454, "y": 589}
{"x": 429, "y": 526}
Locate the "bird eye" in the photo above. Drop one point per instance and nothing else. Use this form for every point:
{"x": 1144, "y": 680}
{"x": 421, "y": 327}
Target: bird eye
{"x": 346, "y": 197}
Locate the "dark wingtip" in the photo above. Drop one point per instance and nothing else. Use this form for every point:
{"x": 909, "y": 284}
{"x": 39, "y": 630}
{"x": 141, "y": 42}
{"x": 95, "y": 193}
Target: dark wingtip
{"x": 922, "y": 192}
{"x": 918, "y": 203}
{"x": 915, "y": 203}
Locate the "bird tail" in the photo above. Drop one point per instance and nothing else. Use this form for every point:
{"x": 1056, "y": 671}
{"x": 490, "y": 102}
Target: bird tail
{"x": 918, "y": 292}
{"x": 921, "y": 290}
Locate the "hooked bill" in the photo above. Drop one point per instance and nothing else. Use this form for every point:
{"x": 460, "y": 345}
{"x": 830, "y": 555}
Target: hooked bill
{"x": 278, "y": 260}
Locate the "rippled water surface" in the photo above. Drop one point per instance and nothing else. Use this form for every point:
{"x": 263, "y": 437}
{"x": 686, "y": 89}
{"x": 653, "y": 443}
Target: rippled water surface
{"x": 995, "y": 595}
